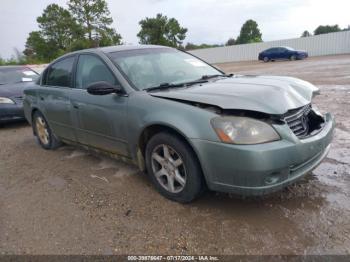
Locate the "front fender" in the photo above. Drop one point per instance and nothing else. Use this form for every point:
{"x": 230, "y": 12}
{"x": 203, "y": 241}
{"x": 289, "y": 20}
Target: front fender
{"x": 190, "y": 121}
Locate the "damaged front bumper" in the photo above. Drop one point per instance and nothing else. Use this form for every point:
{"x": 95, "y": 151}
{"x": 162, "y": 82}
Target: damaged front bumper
{"x": 263, "y": 168}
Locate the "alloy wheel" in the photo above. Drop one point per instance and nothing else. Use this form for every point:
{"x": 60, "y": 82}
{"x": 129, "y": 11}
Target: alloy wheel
{"x": 42, "y": 131}
{"x": 168, "y": 168}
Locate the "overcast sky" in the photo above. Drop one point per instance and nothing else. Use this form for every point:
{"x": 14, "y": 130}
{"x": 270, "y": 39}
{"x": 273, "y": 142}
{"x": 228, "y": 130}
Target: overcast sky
{"x": 208, "y": 21}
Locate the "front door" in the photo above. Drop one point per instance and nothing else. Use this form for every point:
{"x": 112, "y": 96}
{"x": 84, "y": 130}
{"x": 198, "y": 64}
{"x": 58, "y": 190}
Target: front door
{"x": 101, "y": 119}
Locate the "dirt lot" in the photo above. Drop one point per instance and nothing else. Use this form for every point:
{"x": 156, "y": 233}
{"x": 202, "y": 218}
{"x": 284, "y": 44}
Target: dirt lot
{"x": 70, "y": 202}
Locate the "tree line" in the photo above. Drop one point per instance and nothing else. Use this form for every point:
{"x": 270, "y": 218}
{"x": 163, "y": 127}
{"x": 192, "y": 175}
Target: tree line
{"x": 325, "y": 29}
{"x": 88, "y": 23}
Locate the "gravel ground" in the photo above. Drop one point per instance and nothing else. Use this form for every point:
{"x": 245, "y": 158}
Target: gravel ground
{"x": 71, "y": 202}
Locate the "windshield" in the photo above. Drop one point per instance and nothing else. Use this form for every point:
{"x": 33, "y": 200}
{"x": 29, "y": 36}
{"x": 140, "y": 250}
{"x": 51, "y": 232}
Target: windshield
{"x": 10, "y": 75}
{"x": 150, "y": 67}
{"x": 289, "y": 48}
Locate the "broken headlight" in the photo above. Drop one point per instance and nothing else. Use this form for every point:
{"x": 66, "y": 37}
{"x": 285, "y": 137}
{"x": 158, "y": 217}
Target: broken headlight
{"x": 243, "y": 130}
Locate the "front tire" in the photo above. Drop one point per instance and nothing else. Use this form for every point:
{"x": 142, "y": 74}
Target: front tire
{"x": 266, "y": 59}
{"x": 293, "y": 58}
{"x": 43, "y": 132}
{"x": 173, "y": 168}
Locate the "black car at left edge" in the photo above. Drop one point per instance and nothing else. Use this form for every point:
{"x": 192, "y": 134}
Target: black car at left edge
{"x": 13, "y": 81}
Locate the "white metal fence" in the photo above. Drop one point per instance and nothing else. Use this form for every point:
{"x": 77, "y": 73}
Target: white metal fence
{"x": 326, "y": 44}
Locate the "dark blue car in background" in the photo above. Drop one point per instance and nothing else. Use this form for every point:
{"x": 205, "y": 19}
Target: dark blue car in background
{"x": 13, "y": 81}
{"x": 282, "y": 53}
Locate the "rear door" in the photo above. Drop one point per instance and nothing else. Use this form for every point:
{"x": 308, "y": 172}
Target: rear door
{"x": 101, "y": 119}
{"x": 54, "y": 97}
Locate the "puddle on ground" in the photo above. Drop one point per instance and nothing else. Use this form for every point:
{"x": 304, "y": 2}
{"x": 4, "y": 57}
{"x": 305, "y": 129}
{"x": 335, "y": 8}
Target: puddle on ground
{"x": 122, "y": 169}
{"x": 57, "y": 182}
{"x": 106, "y": 163}
{"x": 341, "y": 135}
{"x": 336, "y": 177}
{"x": 341, "y": 155}
{"x": 76, "y": 153}
{"x": 102, "y": 178}
{"x": 125, "y": 171}
{"x": 331, "y": 174}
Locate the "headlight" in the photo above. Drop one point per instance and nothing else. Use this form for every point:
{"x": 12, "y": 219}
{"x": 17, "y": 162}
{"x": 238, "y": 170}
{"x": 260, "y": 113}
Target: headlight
{"x": 5, "y": 100}
{"x": 243, "y": 130}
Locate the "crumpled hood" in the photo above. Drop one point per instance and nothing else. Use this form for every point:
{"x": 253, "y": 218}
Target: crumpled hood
{"x": 267, "y": 94}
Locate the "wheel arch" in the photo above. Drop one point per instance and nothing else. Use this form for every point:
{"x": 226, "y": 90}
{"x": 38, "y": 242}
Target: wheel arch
{"x": 150, "y": 130}
{"x": 33, "y": 111}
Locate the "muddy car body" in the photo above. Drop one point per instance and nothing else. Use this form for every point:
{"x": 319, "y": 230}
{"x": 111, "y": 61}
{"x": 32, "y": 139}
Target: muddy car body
{"x": 189, "y": 125}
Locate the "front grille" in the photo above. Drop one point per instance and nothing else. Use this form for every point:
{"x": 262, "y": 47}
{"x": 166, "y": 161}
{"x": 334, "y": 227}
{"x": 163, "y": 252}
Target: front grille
{"x": 298, "y": 120}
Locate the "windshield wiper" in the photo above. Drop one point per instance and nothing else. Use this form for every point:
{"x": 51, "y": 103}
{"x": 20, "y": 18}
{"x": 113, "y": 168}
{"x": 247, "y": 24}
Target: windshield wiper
{"x": 170, "y": 85}
{"x": 217, "y": 75}
{"x": 203, "y": 79}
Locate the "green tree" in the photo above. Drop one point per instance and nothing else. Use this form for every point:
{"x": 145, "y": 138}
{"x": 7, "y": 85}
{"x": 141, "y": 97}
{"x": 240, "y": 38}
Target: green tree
{"x": 85, "y": 24}
{"x": 325, "y": 29}
{"x": 38, "y": 49}
{"x": 95, "y": 19}
{"x": 249, "y": 33}
{"x": 58, "y": 25}
{"x": 231, "y": 41}
{"x": 306, "y": 34}
{"x": 191, "y": 46}
{"x": 161, "y": 31}
{"x": 58, "y": 30}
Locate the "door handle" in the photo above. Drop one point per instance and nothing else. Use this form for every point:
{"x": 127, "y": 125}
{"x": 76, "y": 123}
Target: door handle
{"x": 41, "y": 98}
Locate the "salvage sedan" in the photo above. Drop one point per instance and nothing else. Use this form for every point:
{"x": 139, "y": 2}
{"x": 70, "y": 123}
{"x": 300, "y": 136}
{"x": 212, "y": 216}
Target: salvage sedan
{"x": 187, "y": 124}
{"x": 13, "y": 80}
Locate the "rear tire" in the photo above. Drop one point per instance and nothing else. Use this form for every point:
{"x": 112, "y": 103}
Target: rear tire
{"x": 43, "y": 132}
{"x": 173, "y": 168}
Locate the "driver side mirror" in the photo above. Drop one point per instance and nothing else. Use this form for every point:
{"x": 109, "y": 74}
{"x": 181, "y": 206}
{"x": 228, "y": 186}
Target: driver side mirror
{"x": 103, "y": 88}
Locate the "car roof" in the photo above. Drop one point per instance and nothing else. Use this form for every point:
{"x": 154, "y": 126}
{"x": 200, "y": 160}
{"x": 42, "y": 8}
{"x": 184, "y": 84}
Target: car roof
{"x": 117, "y": 48}
{"x": 111, "y": 49}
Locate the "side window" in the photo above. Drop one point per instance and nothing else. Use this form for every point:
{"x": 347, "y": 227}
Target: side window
{"x": 60, "y": 73}
{"x": 91, "y": 69}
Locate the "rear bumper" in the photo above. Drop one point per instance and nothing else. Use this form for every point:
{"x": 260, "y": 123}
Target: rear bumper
{"x": 11, "y": 113}
{"x": 264, "y": 168}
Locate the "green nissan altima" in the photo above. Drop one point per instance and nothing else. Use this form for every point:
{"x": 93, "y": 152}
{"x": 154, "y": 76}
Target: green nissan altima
{"x": 187, "y": 124}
